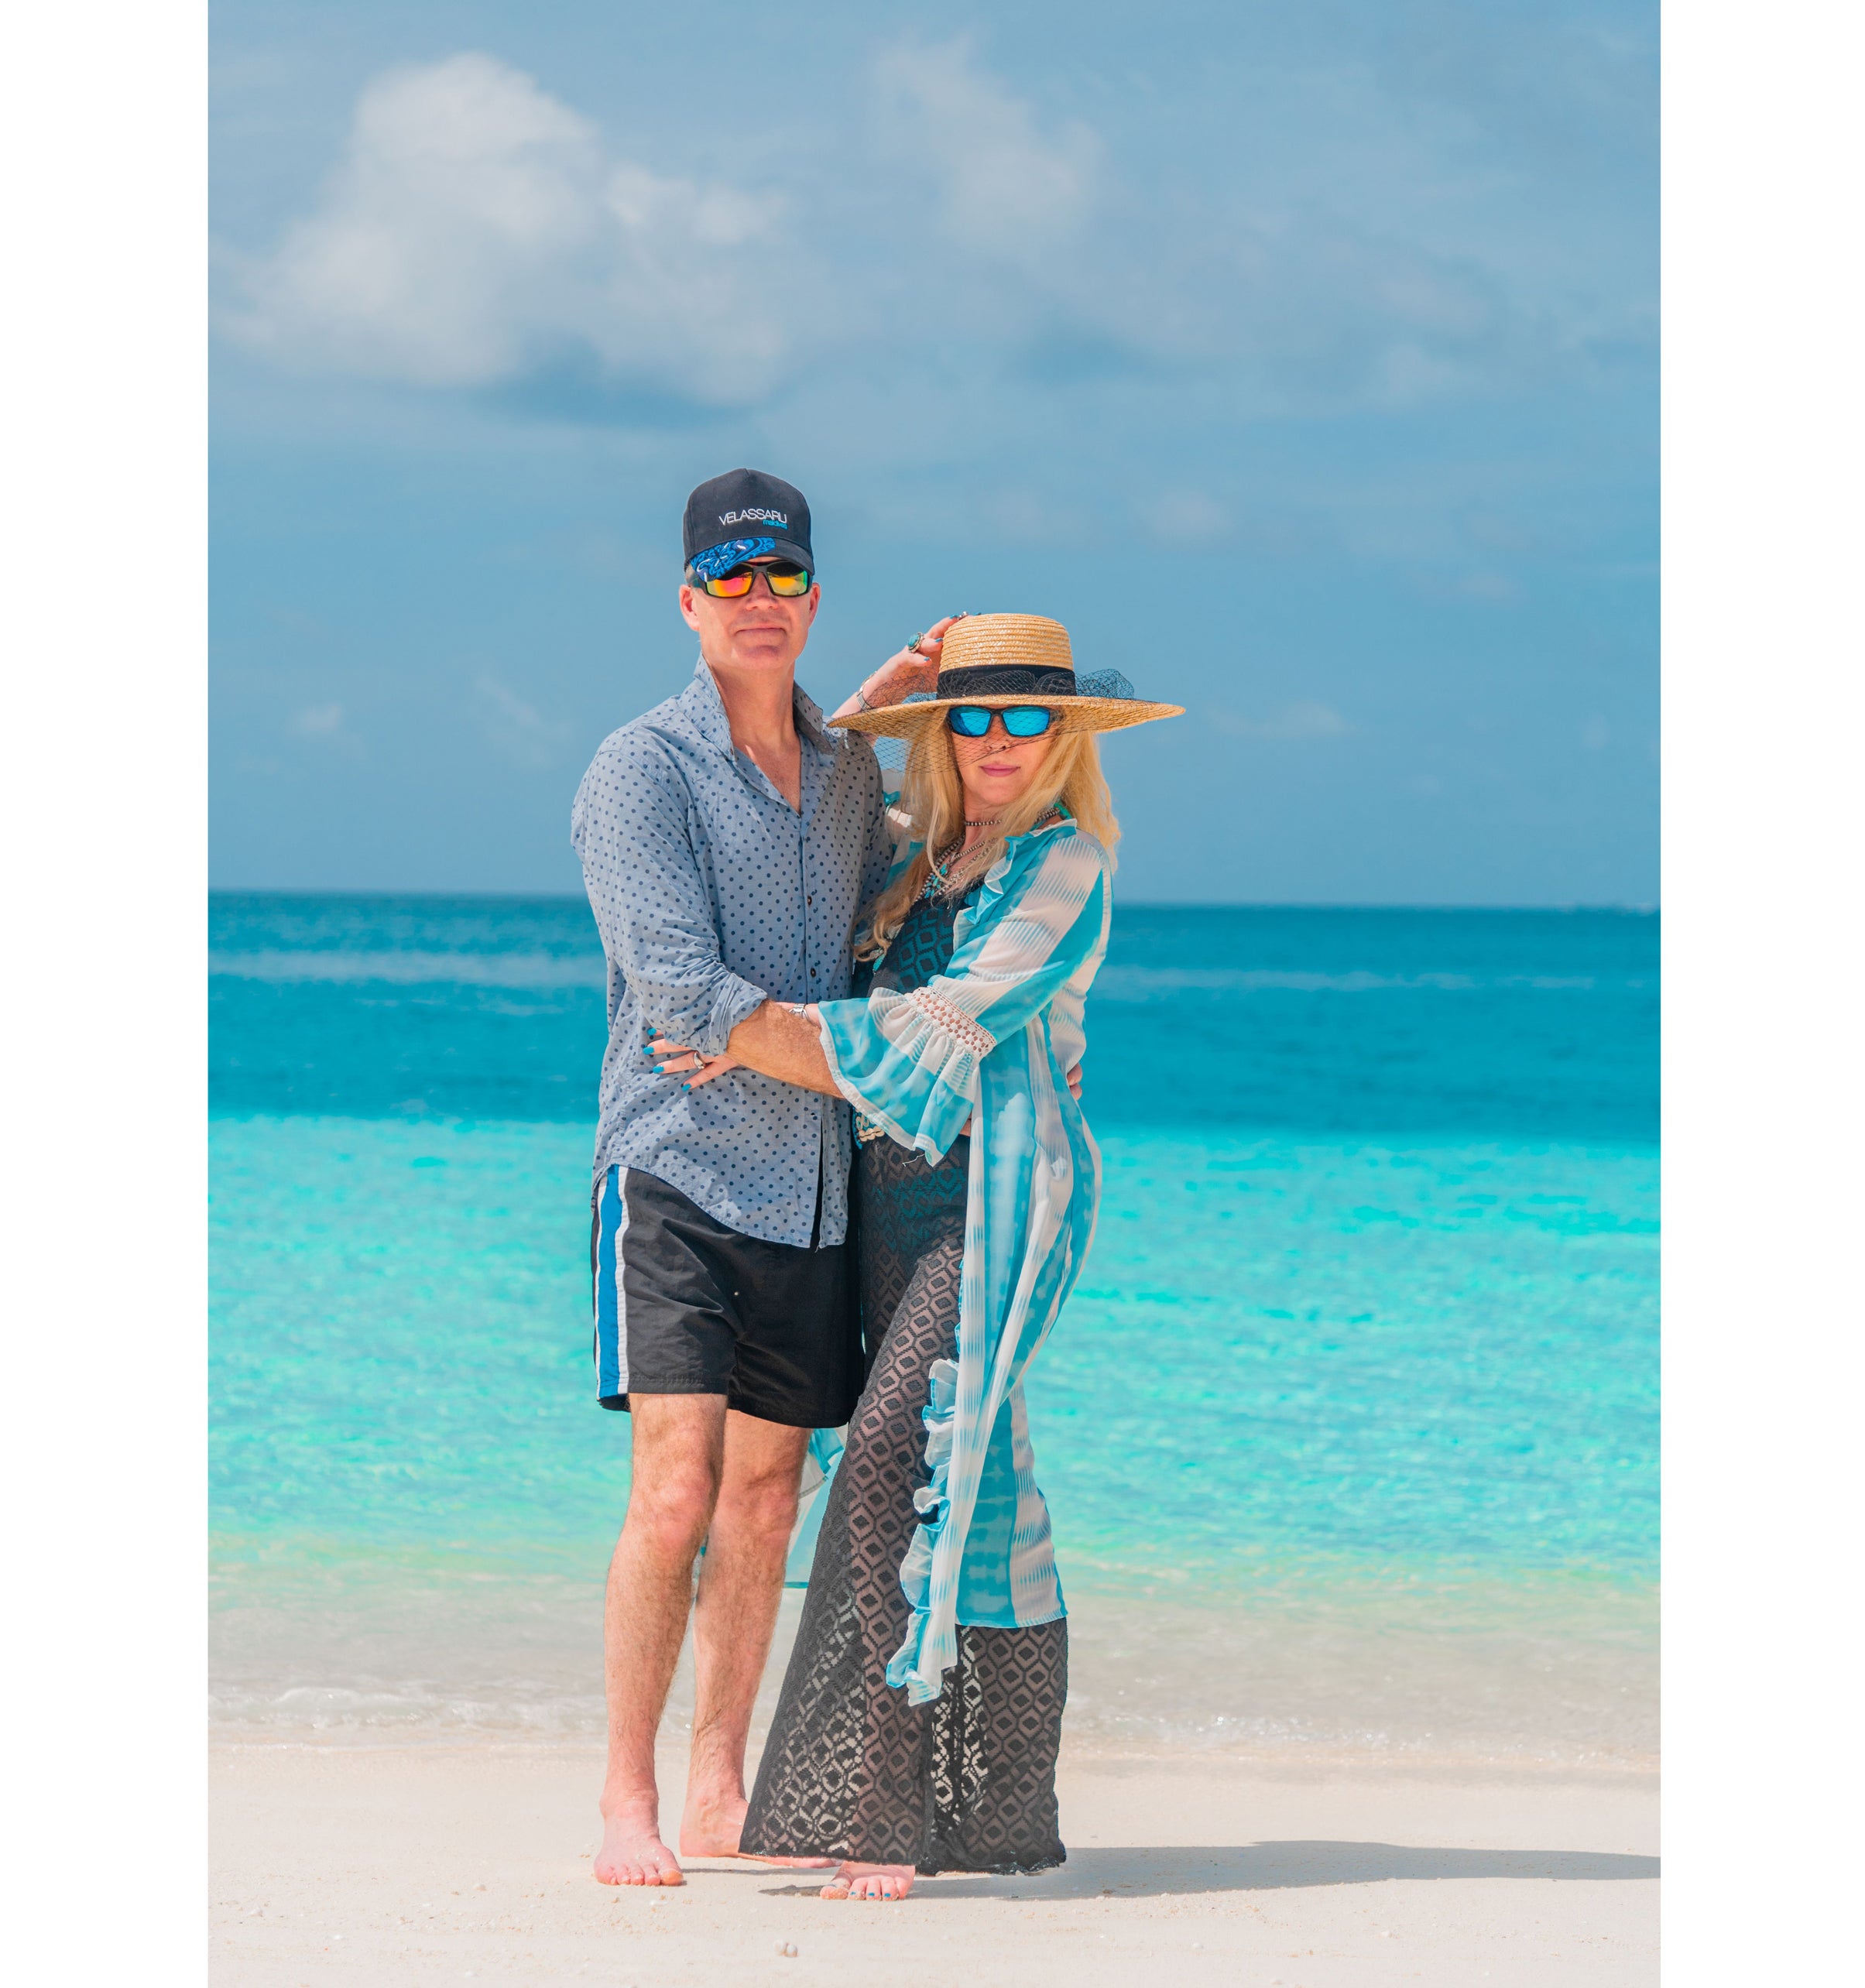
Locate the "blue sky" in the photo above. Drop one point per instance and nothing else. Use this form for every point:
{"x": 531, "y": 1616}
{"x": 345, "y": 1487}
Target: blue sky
{"x": 1303, "y": 360}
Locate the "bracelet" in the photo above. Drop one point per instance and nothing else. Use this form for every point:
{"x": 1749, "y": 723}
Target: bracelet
{"x": 859, "y": 698}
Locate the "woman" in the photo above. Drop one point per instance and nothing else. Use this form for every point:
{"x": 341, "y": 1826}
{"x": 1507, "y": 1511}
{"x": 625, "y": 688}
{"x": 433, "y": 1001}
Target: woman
{"x": 921, "y": 1711}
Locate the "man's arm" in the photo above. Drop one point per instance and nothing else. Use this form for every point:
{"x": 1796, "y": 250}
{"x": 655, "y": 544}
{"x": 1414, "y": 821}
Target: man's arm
{"x": 784, "y": 1044}
{"x": 651, "y": 905}
{"x": 774, "y": 1040}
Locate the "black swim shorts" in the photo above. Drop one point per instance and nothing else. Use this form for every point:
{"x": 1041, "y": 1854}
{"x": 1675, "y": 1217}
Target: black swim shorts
{"x": 684, "y": 1305}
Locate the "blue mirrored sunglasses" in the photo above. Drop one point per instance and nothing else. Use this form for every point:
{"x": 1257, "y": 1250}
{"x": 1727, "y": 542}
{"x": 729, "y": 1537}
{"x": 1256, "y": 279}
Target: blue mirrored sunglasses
{"x": 1020, "y": 721}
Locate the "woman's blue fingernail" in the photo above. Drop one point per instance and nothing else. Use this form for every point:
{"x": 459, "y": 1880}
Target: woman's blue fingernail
{"x": 686, "y": 1086}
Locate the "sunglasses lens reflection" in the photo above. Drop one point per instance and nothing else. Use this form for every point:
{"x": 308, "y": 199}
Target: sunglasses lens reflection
{"x": 788, "y": 582}
{"x": 1020, "y": 721}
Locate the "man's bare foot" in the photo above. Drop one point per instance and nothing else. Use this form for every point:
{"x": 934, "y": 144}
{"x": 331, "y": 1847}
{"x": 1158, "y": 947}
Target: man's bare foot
{"x": 712, "y": 1825}
{"x": 632, "y": 1851}
{"x": 865, "y": 1880}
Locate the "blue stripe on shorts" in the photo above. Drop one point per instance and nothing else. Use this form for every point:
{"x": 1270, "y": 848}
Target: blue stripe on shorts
{"x": 610, "y": 1301}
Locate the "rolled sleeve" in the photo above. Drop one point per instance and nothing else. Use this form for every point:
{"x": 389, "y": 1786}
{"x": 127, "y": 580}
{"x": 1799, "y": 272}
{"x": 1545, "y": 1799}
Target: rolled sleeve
{"x": 651, "y": 906}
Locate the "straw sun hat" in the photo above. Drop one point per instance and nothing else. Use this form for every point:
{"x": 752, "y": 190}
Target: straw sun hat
{"x": 1000, "y": 659}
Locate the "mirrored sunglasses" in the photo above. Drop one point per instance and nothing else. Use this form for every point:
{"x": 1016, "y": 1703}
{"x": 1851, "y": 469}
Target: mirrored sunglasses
{"x": 787, "y": 581}
{"x": 1020, "y": 721}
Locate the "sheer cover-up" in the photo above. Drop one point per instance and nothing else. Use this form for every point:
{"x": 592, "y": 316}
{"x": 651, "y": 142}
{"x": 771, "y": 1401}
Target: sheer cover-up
{"x": 853, "y": 1769}
{"x": 990, "y": 1040}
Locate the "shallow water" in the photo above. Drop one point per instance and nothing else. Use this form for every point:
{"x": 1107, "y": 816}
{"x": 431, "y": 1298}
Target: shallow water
{"x": 1349, "y": 1432}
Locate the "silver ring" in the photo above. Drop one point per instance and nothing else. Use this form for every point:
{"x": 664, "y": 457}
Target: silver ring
{"x": 912, "y": 647}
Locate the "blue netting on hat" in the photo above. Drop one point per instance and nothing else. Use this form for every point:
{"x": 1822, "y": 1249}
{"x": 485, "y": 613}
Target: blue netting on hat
{"x": 1106, "y": 684}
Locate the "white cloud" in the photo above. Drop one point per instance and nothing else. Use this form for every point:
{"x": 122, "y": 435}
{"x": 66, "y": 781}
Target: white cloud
{"x": 1293, "y": 722}
{"x": 1004, "y": 184}
{"x": 476, "y": 230}
{"x": 1187, "y": 517}
{"x": 1024, "y": 516}
{"x": 1263, "y": 276}
{"x": 519, "y": 730}
{"x": 318, "y": 721}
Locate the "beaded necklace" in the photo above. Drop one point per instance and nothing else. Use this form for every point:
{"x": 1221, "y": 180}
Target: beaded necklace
{"x": 940, "y": 867}
{"x": 941, "y": 864}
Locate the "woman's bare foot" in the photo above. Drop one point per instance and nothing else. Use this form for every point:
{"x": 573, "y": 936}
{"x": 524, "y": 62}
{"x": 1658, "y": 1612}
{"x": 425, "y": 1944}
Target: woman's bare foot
{"x": 712, "y": 1826}
{"x": 865, "y": 1880}
{"x": 632, "y": 1851}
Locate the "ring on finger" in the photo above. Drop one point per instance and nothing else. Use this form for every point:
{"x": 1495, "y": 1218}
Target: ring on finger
{"x": 912, "y": 647}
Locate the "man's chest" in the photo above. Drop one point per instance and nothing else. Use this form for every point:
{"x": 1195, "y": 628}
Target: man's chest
{"x": 785, "y": 773}
{"x": 764, "y": 861}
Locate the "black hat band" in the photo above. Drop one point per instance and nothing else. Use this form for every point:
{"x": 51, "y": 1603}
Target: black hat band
{"x": 1004, "y": 679}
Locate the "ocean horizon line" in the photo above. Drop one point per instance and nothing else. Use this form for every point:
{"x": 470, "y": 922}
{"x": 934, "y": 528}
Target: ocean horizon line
{"x": 389, "y": 894}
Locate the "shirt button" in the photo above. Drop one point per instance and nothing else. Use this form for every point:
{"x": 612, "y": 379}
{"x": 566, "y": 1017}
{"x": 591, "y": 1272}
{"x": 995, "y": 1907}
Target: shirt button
{"x": 812, "y": 973}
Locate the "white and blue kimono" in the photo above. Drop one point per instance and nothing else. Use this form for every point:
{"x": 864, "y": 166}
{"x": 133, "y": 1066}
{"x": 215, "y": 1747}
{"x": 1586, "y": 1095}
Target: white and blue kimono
{"x": 991, "y": 1041}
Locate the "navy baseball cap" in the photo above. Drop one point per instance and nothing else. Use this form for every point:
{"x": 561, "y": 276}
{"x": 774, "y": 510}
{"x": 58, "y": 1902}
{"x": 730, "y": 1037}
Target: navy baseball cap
{"x": 745, "y": 515}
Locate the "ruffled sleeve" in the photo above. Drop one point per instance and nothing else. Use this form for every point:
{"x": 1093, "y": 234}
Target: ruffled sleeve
{"x": 911, "y": 1061}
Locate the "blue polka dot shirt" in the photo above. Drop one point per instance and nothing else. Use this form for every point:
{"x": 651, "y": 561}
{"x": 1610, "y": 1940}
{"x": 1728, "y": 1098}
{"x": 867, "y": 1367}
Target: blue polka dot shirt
{"x": 713, "y": 895}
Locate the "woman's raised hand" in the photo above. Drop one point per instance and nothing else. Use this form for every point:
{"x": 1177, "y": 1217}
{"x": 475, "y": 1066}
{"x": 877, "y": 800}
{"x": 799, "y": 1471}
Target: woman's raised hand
{"x": 905, "y": 671}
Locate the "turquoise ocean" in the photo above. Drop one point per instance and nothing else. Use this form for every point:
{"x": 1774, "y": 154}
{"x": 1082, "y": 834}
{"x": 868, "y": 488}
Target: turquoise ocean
{"x": 1349, "y": 1432}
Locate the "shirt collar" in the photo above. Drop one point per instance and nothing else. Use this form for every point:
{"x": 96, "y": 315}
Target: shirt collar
{"x": 809, "y": 719}
{"x": 707, "y": 709}
{"x": 702, "y": 703}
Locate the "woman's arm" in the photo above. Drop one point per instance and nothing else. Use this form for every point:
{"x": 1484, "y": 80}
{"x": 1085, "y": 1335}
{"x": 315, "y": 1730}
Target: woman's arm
{"x": 906, "y": 669}
{"x": 913, "y": 1060}
{"x": 777, "y": 1049}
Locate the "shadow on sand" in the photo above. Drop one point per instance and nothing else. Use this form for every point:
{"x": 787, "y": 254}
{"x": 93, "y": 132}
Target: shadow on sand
{"x": 1108, "y": 1872}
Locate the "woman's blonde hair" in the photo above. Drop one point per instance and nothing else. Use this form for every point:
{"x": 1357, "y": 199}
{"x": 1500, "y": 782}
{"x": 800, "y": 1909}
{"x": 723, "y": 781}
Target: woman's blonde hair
{"x": 932, "y": 802}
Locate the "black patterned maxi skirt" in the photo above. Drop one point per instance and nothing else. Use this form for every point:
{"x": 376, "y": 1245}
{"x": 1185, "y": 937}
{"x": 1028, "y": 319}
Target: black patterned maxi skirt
{"x": 851, "y": 1770}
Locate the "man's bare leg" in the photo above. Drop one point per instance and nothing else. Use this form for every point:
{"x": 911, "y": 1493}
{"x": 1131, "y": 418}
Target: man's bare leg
{"x": 679, "y": 1451}
{"x": 741, "y": 1582}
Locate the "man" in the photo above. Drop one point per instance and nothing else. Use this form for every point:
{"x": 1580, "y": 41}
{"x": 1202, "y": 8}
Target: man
{"x": 727, "y": 840}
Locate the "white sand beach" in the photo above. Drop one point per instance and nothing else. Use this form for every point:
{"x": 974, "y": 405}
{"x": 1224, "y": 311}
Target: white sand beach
{"x": 413, "y": 1864}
